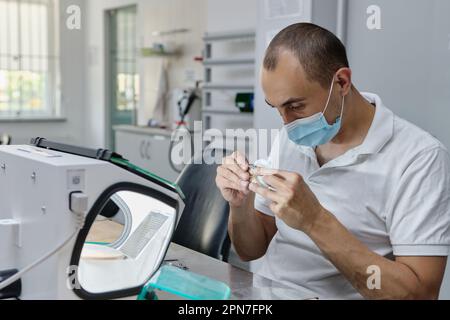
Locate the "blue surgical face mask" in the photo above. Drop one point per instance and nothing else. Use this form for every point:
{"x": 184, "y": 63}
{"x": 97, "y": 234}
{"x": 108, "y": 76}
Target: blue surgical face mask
{"x": 315, "y": 130}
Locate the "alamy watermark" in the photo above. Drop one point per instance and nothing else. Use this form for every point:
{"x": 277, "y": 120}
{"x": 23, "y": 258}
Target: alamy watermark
{"x": 210, "y": 146}
{"x": 73, "y": 20}
{"x": 72, "y": 282}
{"x": 374, "y": 279}
{"x": 374, "y": 18}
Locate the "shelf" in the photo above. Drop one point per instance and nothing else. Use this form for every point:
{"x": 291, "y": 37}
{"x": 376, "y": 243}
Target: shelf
{"x": 224, "y": 36}
{"x": 220, "y": 112}
{"x": 169, "y": 32}
{"x": 150, "y": 52}
{"x": 213, "y": 86}
{"x": 227, "y": 112}
{"x": 143, "y": 130}
{"x": 226, "y": 62}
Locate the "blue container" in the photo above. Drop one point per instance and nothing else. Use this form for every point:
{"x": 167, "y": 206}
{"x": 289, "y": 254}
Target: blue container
{"x": 187, "y": 285}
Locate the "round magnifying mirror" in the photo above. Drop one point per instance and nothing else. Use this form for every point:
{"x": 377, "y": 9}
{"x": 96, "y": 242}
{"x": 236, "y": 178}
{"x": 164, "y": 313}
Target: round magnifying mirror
{"x": 125, "y": 245}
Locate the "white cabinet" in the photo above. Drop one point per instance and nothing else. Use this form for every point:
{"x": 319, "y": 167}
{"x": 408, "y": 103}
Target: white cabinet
{"x": 147, "y": 148}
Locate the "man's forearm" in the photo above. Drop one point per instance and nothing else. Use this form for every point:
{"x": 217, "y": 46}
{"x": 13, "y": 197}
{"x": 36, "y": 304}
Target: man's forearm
{"x": 247, "y": 232}
{"x": 353, "y": 259}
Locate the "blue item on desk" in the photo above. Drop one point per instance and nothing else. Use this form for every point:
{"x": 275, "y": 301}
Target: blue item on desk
{"x": 185, "y": 284}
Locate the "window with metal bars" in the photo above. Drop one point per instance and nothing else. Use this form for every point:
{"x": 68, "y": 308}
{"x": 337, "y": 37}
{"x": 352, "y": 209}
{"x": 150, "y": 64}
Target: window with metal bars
{"x": 29, "y": 63}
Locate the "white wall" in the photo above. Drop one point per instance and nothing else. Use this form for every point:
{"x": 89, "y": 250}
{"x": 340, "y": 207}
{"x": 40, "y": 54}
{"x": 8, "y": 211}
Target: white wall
{"x": 231, "y": 15}
{"x": 95, "y": 69}
{"x": 407, "y": 62}
{"x": 70, "y": 130}
{"x": 153, "y": 15}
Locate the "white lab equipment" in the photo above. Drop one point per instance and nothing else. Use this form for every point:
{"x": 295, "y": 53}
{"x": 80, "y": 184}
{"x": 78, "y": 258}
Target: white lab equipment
{"x": 186, "y": 107}
{"x": 77, "y": 223}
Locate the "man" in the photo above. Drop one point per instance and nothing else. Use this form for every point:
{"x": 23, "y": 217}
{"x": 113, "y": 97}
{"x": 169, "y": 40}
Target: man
{"x": 357, "y": 194}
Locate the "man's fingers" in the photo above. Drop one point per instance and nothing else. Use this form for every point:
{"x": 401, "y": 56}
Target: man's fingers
{"x": 275, "y": 182}
{"x": 225, "y": 172}
{"x": 274, "y": 207}
{"x": 265, "y": 193}
{"x": 259, "y": 171}
{"x": 230, "y": 164}
{"x": 224, "y": 183}
{"x": 240, "y": 160}
{"x": 238, "y": 172}
{"x": 239, "y": 183}
{"x": 286, "y": 175}
{"x": 243, "y": 175}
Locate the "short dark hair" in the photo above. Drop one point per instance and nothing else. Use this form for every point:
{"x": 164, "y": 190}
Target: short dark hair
{"x": 318, "y": 50}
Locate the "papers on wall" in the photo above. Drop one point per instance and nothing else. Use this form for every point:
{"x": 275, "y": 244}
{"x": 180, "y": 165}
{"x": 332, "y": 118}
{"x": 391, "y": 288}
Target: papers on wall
{"x": 277, "y": 9}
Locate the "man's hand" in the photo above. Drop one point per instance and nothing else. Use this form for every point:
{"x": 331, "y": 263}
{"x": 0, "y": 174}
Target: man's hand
{"x": 233, "y": 179}
{"x": 292, "y": 201}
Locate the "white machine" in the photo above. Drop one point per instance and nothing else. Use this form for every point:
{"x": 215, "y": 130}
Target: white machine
{"x": 78, "y": 223}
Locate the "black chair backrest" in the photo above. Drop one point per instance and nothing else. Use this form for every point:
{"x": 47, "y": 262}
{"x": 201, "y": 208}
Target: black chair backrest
{"x": 203, "y": 227}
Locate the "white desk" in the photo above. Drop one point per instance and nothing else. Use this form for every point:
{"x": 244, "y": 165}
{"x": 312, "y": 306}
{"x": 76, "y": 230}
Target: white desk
{"x": 243, "y": 284}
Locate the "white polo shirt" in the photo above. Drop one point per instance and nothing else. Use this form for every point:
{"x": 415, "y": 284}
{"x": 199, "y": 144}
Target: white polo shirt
{"x": 392, "y": 192}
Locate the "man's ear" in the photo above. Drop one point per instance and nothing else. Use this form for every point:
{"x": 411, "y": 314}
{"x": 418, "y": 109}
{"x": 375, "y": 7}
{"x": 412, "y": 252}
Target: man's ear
{"x": 344, "y": 77}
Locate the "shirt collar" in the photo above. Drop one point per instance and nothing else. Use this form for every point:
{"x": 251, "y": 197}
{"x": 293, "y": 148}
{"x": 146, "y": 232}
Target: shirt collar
{"x": 382, "y": 129}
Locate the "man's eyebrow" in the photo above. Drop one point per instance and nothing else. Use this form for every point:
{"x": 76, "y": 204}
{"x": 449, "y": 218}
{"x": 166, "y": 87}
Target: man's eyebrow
{"x": 270, "y": 104}
{"x": 288, "y": 102}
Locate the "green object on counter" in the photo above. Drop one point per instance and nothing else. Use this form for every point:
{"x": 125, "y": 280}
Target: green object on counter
{"x": 186, "y": 284}
{"x": 147, "y": 294}
{"x": 98, "y": 243}
{"x": 245, "y": 102}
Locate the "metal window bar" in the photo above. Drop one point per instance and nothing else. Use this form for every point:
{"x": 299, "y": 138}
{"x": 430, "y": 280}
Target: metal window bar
{"x": 28, "y": 59}
{"x": 125, "y": 59}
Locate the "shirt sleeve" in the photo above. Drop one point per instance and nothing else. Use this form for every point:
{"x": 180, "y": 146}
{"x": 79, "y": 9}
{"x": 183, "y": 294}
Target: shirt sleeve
{"x": 261, "y": 204}
{"x": 419, "y": 221}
